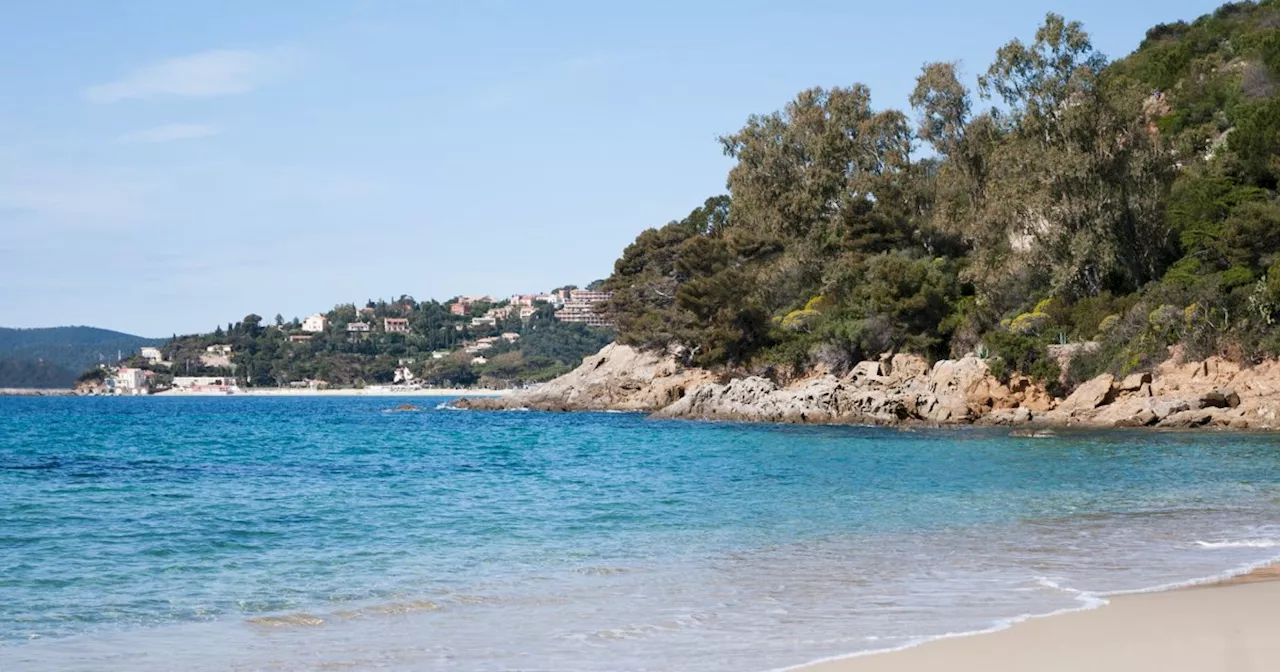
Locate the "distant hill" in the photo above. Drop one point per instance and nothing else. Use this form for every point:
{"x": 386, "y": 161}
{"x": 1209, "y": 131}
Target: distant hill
{"x": 34, "y": 373}
{"x": 53, "y": 357}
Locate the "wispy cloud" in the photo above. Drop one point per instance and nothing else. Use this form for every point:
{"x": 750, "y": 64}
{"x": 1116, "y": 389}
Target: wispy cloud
{"x": 204, "y": 75}
{"x": 170, "y": 133}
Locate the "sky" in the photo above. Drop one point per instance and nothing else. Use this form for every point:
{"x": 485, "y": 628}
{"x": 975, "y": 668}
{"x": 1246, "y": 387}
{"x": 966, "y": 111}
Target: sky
{"x": 166, "y": 167}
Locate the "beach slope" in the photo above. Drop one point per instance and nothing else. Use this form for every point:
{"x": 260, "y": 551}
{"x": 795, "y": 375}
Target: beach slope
{"x": 1227, "y": 628}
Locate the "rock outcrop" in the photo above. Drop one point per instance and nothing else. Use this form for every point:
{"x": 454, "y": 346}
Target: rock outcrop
{"x": 1211, "y": 393}
{"x": 618, "y": 377}
{"x": 905, "y": 389}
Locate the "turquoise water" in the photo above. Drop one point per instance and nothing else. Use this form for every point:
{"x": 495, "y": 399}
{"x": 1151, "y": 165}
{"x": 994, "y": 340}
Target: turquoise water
{"x": 328, "y": 533}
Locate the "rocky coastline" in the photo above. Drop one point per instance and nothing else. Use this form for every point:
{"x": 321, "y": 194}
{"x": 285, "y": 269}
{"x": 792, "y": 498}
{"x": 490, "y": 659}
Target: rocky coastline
{"x": 905, "y": 390}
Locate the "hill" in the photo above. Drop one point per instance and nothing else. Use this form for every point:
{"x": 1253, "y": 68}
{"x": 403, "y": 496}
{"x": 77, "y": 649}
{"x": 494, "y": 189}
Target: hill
{"x": 484, "y": 343}
{"x": 1129, "y": 207}
{"x": 52, "y": 357}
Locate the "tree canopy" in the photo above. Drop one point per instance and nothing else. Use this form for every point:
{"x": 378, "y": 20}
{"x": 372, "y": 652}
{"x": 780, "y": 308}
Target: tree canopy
{"x": 1065, "y": 198}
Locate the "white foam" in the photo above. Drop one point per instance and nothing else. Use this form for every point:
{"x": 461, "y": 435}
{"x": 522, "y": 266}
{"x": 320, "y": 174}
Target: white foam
{"x": 1004, "y": 624}
{"x": 1087, "y": 599}
{"x": 1088, "y": 602}
{"x": 1247, "y": 543}
{"x": 1202, "y": 581}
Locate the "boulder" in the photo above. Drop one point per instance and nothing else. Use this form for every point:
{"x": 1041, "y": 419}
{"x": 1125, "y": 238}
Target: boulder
{"x": 1164, "y": 408}
{"x": 1007, "y": 417}
{"x": 961, "y": 389}
{"x": 1142, "y": 418}
{"x": 1213, "y": 399}
{"x": 1090, "y": 395}
{"x": 1223, "y": 397}
{"x": 1133, "y": 382}
{"x": 1131, "y": 411}
{"x": 1189, "y": 418}
{"x": 874, "y": 406}
{"x": 866, "y": 369}
{"x": 1026, "y": 392}
{"x": 906, "y": 365}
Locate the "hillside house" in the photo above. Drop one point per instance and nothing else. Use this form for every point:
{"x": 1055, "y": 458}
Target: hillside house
{"x": 315, "y": 324}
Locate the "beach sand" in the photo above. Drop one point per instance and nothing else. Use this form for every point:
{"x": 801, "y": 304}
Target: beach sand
{"x": 1231, "y": 626}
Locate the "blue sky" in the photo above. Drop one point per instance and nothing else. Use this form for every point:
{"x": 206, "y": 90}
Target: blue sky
{"x": 169, "y": 166}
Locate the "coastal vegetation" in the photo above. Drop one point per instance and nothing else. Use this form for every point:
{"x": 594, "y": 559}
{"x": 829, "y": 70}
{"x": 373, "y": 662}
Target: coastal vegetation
{"x": 1126, "y": 207}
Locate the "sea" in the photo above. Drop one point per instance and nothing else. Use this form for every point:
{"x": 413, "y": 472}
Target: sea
{"x": 322, "y": 533}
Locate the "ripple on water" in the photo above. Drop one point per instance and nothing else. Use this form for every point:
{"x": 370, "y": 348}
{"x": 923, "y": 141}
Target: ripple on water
{"x": 586, "y": 542}
{"x": 299, "y": 620}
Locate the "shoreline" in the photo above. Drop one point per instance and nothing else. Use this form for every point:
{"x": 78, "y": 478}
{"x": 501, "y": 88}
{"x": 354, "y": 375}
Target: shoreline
{"x": 1226, "y": 622}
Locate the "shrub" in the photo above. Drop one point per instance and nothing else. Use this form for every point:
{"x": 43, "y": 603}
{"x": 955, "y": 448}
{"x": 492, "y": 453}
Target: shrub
{"x": 1017, "y": 353}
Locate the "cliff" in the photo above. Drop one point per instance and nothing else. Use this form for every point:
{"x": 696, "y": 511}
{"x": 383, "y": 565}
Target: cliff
{"x": 904, "y": 389}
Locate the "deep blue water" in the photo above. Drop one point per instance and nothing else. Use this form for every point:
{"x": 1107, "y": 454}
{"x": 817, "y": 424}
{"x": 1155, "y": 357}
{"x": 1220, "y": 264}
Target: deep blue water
{"x": 312, "y": 533}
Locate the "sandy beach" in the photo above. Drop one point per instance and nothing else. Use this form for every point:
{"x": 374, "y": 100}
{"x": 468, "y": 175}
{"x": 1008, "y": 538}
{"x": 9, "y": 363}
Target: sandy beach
{"x": 1232, "y": 626}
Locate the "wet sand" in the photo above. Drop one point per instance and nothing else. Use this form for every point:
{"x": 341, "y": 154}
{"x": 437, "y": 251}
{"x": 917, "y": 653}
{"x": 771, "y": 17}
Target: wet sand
{"x": 1229, "y": 626}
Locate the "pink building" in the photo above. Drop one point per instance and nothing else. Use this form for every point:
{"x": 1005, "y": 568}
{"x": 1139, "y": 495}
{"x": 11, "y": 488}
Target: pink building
{"x": 582, "y": 305}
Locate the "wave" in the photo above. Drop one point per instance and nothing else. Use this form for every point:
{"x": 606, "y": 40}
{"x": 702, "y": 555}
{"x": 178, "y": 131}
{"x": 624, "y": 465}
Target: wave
{"x": 1247, "y": 543}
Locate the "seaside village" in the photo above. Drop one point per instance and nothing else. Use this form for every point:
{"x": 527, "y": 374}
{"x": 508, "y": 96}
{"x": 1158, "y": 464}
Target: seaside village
{"x": 570, "y": 305}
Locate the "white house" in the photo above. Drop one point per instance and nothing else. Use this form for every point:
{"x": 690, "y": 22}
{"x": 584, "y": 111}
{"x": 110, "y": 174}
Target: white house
{"x": 315, "y": 324}
{"x": 152, "y": 355}
{"x": 130, "y": 381}
{"x": 358, "y": 326}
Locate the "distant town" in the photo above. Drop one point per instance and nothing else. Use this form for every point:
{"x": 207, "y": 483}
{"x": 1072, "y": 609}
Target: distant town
{"x": 402, "y": 344}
